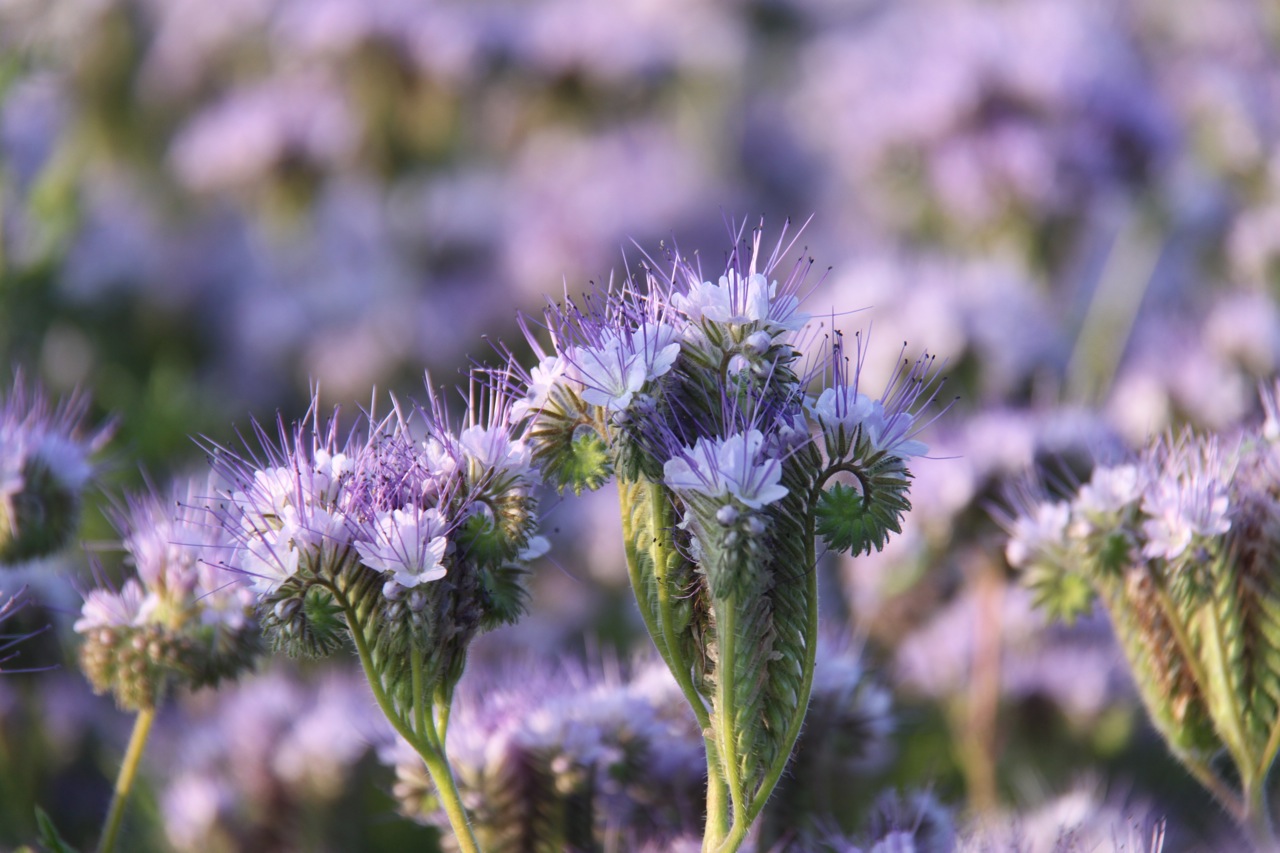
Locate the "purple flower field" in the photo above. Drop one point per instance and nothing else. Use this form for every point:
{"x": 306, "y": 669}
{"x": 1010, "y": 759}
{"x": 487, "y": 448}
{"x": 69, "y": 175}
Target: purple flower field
{"x": 490, "y": 425}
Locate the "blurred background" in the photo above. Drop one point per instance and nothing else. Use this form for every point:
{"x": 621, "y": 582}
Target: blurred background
{"x": 208, "y": 207}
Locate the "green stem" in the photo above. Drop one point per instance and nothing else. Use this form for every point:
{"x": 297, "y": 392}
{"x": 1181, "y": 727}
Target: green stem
{"x": 1222, "y": 696}
{"x": 124, "y": 781}
{"x": 681, "y": 667}
{"x": 661, "y": 628}
{"x": 726, "y": 712}
{"x": 739, "y": 831}
{"x": 1257, "y": 816}
{"x": 427, "y": 744}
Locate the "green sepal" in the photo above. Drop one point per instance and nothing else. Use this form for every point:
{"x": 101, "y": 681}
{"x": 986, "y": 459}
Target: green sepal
{"x": 503, "y": 596}
{"x": 498, "y": 531}
{"x": 1064, "y": 594}
{"x": 585, "y": 466}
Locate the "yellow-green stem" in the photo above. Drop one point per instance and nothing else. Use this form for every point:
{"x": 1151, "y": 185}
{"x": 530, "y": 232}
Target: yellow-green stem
{"x": 124, "y": 781}
{"x": 661, "y": 630}
{"x": 726, "y": 712}
{"x": 1231, "y": 729}
{"x": 447, "y": 791}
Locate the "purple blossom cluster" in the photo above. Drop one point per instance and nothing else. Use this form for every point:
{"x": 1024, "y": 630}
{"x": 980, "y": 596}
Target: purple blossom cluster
{"x": 1072, "y": 203}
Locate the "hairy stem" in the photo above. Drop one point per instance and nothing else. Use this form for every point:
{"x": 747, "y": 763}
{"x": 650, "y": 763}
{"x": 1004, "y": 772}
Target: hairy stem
{"x": 124, "y": 781}
{"x": 426, "y": 742}
{"x": 726, "y": 710}
{"x": 661, "y": 628}
{"x": 1257, "y": 818}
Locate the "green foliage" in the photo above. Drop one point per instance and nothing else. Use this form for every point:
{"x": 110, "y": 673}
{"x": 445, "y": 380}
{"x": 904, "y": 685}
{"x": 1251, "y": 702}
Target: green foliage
{"x": 50, "y": 840}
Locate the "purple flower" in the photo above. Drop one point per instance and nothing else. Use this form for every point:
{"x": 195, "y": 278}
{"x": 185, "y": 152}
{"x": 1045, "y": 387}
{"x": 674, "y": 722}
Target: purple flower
{"x": 734, "y": 466}
{"x": 45, "y": 463}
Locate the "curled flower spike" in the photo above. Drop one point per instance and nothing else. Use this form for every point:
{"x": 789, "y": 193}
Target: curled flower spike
{"x": 685, "y": 388}
{"x": 404, "y": 540}
{"x": 46, "y": 460}
{"x": 1180, "y": 545}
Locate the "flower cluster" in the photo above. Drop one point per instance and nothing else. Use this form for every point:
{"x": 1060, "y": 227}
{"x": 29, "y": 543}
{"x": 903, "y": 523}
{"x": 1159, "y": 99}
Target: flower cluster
{"x": 1180, "y": 546}
{"x": 45, "y": 463}
{"x": 180, "y": 621}
{"x": 404, "y": 530}
{"x": 694, "y": 393}
{"x": 566, "y": 755}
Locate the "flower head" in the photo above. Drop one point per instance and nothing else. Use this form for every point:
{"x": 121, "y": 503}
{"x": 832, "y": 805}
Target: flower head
{"x": 45, "y": 462}
{"x": 181, "y": 620}
{"x": 1186, "y": 496}
{"x": 290, "y": 505}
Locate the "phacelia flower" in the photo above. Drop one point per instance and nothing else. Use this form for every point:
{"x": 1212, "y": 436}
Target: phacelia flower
{"x": 741, "y": 299}
{"x": 1188, "y": 499}
{"x": 409, "y": 544}
{"x": 182, "y": 621}
{"x": 46, "y": 460}
{"x": 732, "y": 466}
{"x": 290, "y": 508}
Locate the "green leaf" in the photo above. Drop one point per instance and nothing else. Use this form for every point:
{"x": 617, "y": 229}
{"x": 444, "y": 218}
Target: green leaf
{"x": 49, "y": 838}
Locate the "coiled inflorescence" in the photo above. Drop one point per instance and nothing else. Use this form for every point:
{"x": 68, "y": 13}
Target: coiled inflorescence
{"x": 694, "y": 394}
{"x": 1181, "y": 546}
{"x": 180, "y": 621}
{"x": 403, "y": 535}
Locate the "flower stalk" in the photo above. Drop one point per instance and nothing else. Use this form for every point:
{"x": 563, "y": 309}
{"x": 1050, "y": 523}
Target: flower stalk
{"x": 125, "y": 779}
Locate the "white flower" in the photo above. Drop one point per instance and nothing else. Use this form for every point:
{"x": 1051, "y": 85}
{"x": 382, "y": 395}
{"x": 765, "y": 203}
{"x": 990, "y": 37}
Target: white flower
{"x": 732, "y": 466}
{"x": 542, "y": 379}
{"x": 492, "y": 448}
{"x": 104, "y": 608}
{"x": 408, "y": 543}
{"x": 616, "y": 370}
{"x": 1044, "y": 529}
{"x": 843, "y": 408}
{"x": 1180, "y": 510}
{"x": 738, "y": 300}
{"x": 1109, "y": 491}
